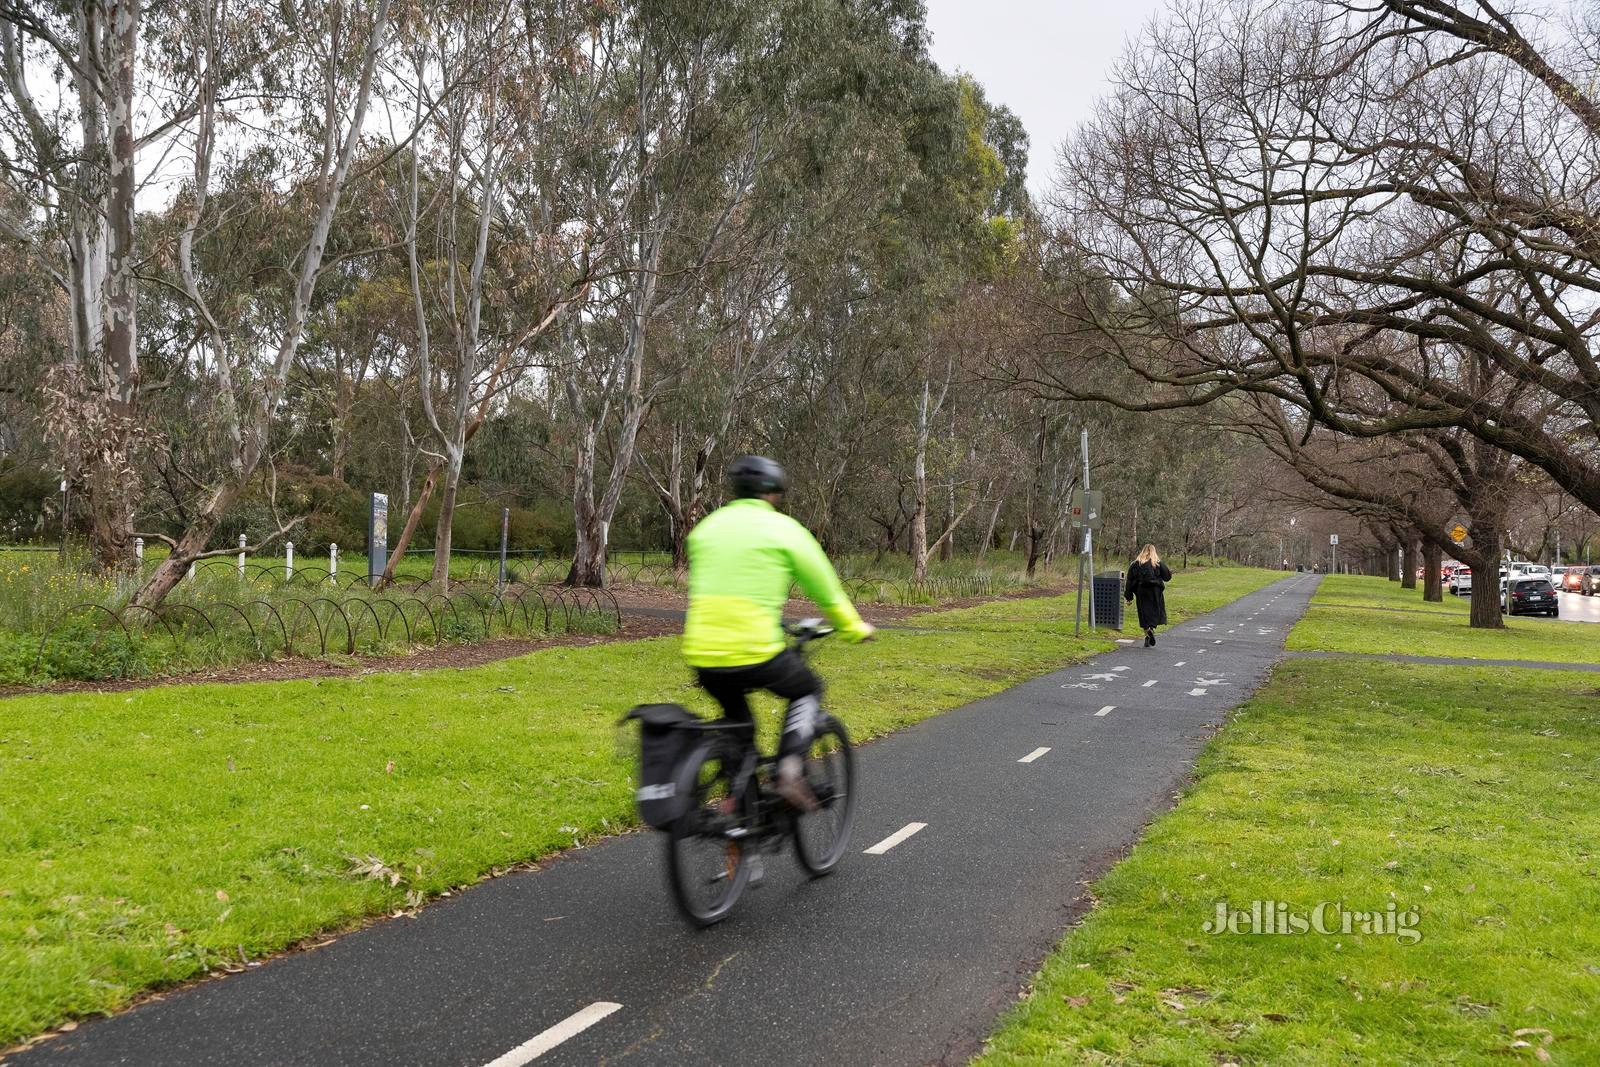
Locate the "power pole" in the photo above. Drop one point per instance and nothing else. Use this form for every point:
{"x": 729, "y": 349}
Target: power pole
{"x": 1088, "y": 531}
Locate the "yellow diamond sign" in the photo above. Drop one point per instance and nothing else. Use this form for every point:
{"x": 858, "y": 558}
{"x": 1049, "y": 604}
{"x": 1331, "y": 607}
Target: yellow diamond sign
{"x": 1458, "y": 533}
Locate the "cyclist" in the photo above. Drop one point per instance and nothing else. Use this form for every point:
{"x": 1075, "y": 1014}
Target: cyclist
{"x": 743, "y": 557}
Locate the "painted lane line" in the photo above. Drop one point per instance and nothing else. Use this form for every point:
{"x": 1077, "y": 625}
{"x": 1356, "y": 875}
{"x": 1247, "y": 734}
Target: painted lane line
{"x": 1218, "y": 641}
{"x": 567, "y": 1028}
{"x": 1180, "y": 663}
{"x": 1035, "y": 754}
{"x": 895, "y": 838}
{"x": 1197, "y": 692}
{"x": 1119, "y": 668}
{"x": 1107, "y": 710}
{"x": 1148, "y": 684}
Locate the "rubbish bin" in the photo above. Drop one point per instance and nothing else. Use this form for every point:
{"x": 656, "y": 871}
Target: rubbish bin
{"x": 1108, "y": 599}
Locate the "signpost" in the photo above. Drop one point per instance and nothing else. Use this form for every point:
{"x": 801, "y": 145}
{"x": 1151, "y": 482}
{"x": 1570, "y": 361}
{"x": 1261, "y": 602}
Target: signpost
{"x": 1085, "y": 514}
{"x": 505, "y": 531}
{"x": 377, "y": 538}
{"x": 1333, "y": 542}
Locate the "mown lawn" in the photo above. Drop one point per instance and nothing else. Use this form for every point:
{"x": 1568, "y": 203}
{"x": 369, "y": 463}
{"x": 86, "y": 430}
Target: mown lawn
{"x": 1332, "y": 626}
{"x": 149, "y": 836}
{"x": 1464, "y": 795}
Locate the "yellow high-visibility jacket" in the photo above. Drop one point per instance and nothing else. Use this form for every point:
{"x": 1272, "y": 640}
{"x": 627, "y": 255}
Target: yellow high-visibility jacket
{"x": 742, "y": 559}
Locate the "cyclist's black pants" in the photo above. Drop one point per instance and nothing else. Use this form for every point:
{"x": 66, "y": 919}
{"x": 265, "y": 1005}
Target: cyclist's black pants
{"x": 785, "y": 674}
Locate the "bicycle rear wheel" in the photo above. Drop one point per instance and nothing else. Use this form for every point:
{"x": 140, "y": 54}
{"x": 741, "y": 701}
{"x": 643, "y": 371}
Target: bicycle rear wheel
{"x": 821, "y": 836}
{"x": 707, "y": 846}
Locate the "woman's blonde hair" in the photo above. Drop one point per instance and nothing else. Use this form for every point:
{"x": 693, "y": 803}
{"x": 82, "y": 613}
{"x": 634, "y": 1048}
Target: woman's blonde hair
{"x": 1148, "y": 554}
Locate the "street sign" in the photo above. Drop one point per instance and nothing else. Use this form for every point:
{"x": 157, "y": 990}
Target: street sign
{"x": 1333, "y": 539}
{"x": 1458, "y": 533}
{"x": 1086, "y": 508}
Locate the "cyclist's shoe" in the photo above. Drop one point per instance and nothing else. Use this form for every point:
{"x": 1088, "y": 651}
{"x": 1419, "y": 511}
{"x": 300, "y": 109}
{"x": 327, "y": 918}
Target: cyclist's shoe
{"x": 790, "y": 784}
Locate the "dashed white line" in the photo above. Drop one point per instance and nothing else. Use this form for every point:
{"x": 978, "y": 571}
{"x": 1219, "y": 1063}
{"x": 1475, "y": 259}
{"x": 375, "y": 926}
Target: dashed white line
{"x": 1148, "y": 684}
{"x": 1035, "y": 754}
{"x": 1218, "y": 641}
{"x": 567, "y": 1028}
{"x": 1197, "y": 692}
{"x": 895, "y": 838}
{"x": 1180, "y": 663}
{"x": 1107, "y": 710}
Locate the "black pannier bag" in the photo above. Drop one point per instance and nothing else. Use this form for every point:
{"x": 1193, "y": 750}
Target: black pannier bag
{"x": 664, "y": 739}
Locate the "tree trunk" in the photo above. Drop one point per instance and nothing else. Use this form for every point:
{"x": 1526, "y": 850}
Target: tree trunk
{"x": 988, "y": 534}
{"x": 442, "y": 529}
{"x": 1485, "y": 563}
{"x": 409, "y": 531}
{"x": 1432, "y": 576}
{"x": 1408, "y": 566}
{"x": 589, "y": 554}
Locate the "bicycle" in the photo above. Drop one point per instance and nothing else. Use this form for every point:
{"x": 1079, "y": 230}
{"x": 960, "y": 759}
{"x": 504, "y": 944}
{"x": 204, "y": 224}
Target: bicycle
{"x": 732, "y": 816}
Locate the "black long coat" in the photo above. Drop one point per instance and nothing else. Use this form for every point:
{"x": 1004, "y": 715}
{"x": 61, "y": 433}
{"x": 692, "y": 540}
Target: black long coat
{"x": 1146, "y": 583}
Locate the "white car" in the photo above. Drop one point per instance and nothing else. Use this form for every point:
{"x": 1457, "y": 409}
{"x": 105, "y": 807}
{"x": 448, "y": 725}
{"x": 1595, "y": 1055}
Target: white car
{"x": 1461, "y": 581}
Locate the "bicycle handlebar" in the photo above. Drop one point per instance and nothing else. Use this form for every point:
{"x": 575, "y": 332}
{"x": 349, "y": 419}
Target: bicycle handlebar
{"x": 808, "y": 630}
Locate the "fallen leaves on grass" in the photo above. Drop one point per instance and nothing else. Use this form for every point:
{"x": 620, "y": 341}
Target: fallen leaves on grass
{"x": 373, "y": 867}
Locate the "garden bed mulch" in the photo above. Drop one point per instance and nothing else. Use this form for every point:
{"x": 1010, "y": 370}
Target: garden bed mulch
{"x": 440, "y": 657}
{"x": 635, "y": 626}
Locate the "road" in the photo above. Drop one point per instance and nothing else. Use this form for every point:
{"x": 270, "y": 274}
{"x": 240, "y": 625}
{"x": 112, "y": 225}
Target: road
{"x": 904, "y": 956}
{"x": 1575, "y": 607}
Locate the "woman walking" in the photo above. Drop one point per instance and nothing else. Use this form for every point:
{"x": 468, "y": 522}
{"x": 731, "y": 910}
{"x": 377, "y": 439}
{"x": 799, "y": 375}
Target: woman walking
{"x": 1147, "y": 581}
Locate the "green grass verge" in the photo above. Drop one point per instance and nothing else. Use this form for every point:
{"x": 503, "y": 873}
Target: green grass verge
{"x": 149, "y": 836}
{"x": 1332, "y": 626}
{"x": 1466, "y": 794}
{"x": 146, "y": 837}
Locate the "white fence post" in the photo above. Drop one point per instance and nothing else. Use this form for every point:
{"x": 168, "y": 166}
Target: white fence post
{"x": 138, "y": 550}
{"x": 288, "y": 560}
{"x": 241, "y": 556}
{"x": 333, "y": 559}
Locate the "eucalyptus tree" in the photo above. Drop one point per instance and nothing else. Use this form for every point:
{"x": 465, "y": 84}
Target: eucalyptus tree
{"x": 68, "y": 149}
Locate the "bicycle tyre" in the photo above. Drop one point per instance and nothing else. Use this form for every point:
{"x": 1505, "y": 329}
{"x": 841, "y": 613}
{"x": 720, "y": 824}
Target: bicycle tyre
{"x": 822, "y": 836}
{"x": 705, "y": 894}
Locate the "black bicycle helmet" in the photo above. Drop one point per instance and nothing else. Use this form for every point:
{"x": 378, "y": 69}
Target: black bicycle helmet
{"x": 755, "y": 476}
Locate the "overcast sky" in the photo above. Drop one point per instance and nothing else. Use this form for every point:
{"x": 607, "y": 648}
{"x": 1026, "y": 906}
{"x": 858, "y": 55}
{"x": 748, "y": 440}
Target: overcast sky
{"x": 1044, "y": 59}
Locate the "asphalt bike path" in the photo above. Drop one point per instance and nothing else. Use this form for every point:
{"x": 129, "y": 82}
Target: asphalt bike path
{"x": 975, "y": 835}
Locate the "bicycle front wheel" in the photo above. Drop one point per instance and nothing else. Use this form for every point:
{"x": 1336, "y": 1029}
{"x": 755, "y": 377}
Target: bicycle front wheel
{"x": 821, "y": 836}
{"x": 708, "y": 846}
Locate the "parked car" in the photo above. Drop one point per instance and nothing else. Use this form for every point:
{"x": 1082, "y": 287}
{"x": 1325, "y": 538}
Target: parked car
{"x": 1461, "y": 581}
{"x": 1531, "y": 596}
{"x": 1589, "y": 584}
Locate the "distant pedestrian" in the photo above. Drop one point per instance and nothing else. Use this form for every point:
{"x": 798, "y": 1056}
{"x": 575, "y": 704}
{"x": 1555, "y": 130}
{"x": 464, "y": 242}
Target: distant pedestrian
{"x": 1147, "y": 582}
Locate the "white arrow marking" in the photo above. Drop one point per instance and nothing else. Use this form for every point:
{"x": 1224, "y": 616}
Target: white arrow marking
{"x": 1100, "y": 677}
{"x": 1080, "y": 685}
